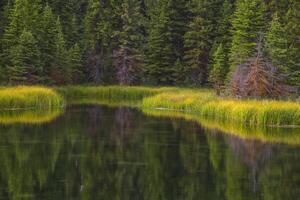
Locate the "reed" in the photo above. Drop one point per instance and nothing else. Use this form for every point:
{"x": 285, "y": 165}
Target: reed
{"x": 22, "y": 97}
{"x": 248, "y": 112}
{"x": 115, "y": 93}
{"x": 202, "y": 102}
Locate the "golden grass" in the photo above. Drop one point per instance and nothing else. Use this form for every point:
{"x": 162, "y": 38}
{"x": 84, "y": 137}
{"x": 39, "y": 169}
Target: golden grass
{"x": 249, "y": 112}
{"x": 22, "y": 97}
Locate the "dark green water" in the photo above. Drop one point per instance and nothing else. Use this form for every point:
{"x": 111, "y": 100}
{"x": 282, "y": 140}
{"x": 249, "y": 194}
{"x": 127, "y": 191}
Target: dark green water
{"x": 96, "y": 152}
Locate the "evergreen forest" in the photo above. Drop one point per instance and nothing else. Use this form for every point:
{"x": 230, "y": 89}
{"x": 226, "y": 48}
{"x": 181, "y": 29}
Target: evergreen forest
{"x": 249, "y": 46}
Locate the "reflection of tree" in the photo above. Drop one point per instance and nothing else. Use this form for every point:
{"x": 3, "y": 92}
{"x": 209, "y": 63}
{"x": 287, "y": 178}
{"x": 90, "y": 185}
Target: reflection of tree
{"x": 253, "y": 153}
{"x": 124, "y": 123}
{"x": 97, "y": 152}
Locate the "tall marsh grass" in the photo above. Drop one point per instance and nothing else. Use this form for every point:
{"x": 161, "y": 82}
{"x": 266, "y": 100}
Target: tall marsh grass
{"x": 114, "y": 93}
{"x": 23, "y": 97}
{"x": 202, "y": 102}
{"x": 248, "y": 112}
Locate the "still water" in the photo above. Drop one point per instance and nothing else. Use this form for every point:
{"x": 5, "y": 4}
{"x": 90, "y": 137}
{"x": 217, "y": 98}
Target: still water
{"x": 98, "y": 152}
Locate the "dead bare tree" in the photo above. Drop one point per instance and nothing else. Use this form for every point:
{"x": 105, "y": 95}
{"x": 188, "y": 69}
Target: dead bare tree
{"x": 128, "y": 64}
{"x": 259, "y": 78}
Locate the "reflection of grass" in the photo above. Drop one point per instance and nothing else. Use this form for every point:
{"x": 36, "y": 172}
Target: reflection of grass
{"x": 29, "y": 116}
{"x": 28, "y": 97}
{"x": 267, "y": 134}
{"x": 205, "y": 104}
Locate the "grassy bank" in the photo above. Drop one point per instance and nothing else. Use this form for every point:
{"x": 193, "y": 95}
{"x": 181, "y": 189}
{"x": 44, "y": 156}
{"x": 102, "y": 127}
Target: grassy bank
{"x": 201, "y": 102}
{"x": 77, "y": 94}
{"x": 29, "y": 97}
{"x": 248, "y": 112}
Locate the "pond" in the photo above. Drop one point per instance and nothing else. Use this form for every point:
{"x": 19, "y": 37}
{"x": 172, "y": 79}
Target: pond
{"x": 100, "y": 152}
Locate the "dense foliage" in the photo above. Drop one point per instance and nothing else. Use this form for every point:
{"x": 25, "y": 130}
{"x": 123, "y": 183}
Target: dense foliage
{"x": 165, "y": 42}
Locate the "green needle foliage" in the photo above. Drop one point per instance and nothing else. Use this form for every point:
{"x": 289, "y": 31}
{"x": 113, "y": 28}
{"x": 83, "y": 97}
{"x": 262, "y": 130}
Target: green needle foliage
{"x": 248, "y": 24}
{"x": 148, "y": 42}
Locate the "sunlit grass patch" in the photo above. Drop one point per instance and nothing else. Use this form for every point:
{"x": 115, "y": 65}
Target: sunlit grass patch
{"x": 22, "y": 97}
{"x": 249, "y": 112}
{"x": 202, "y": 102}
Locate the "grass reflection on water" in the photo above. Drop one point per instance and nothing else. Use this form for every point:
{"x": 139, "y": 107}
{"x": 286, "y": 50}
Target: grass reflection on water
{"x": 266, "y": 134}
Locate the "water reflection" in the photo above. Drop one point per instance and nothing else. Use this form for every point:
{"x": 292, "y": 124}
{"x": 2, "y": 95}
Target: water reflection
{"x": 286, "y": 135}
{"x": 29, "y": 116}
{"x": 96, "y": 152}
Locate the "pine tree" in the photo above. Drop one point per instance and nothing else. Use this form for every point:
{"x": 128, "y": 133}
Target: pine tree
{"x": 159, "y": 51}
{"x": 168, "y": 24}
{"x": 293, "y": 36}
{"x": 101, "y": 25}
{"x": 128, "y": 57}
{"x": 198, "y": 41}
{"x": 71, "y": 14}
{"x": 248, "y": 24}
{"x": 5, "y": 7}
{"x": 25, "y": 66}
{"x": 75, "y": 64}
{"x": 223, "y": 38}
{"x": 218, "y": 71}
{"x": 277, "y": 44}
{"x": 60, "y": 72}
{"x": 23, "y": 16}
{"x": 46, "y": 40}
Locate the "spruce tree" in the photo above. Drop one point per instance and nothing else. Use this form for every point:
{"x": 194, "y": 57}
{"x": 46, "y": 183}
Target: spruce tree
{"x": 25, "y": 66}
{"x": 101, "y": 25}
{"x": 128, "y": 57}
{"x": 71, "y": 13}
{"x": 60, "y": 72}
{"x": 46, "y": 40}
{"x": 159, "y": 52}
{"x": 223, "y": 38}
{"x": 218, "y": 71}
{"x": 197, "y": 44}
{"x": 277, "y": 44}
{"x": 293, "y": 36}
{"x": 24, "y": 15}
{"x": 75, "y": 64}
{"x": 168, "y": 24}
{"x": 198, "y": 41}
{"x": 249, "y": 23}
{"x": 5, "y": 7}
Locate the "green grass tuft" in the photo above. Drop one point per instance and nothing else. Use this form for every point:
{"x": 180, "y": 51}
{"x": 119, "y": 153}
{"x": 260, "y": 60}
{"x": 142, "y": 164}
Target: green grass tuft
{"x": 248, "y": 112}
{"x": 22, "y": 97}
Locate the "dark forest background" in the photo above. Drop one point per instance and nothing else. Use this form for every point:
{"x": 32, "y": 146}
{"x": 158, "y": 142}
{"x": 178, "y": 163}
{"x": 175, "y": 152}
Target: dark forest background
{"x": 148, "y": 42}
